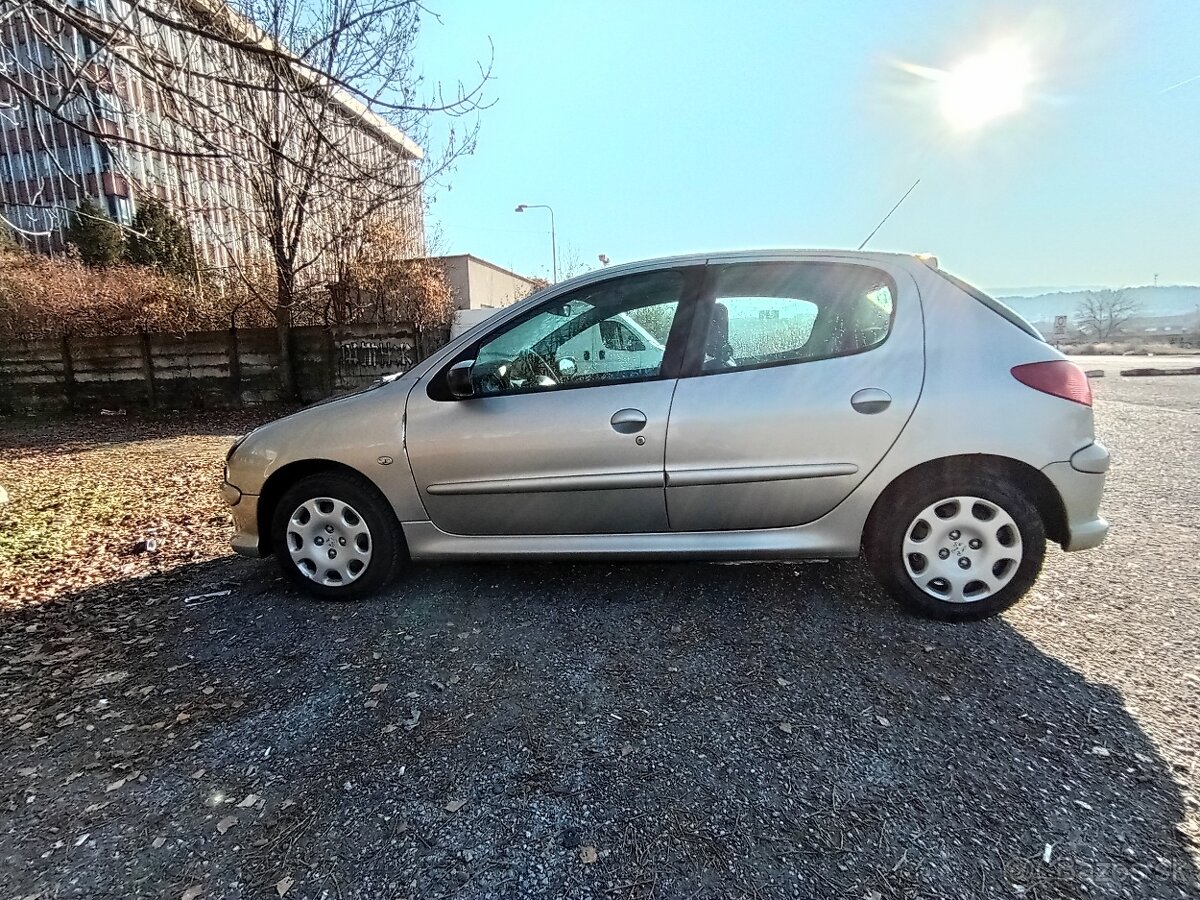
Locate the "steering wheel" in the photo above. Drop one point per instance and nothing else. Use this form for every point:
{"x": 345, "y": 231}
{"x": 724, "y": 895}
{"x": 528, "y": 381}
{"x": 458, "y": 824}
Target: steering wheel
{"x": 529, "y": 366}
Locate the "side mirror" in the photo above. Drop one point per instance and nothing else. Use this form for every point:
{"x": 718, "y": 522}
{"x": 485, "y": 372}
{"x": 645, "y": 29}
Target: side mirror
{"x": 567, "y": 367}
{"x": 458, "y": 379}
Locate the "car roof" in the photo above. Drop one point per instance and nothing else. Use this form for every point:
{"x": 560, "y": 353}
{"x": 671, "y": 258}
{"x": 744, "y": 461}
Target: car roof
{"x": 736, "y": 255}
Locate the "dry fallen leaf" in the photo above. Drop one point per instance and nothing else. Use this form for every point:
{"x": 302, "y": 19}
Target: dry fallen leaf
{"x": 158, "y": 842}
{"x": 455, "y": 805}
{"x": 250, "y": 800}
{"x": 588, "y": 854}
{"x": 371, "y": 704}
{"x": 883, "y": 721}
{"x": 192, "y": 893}
{"x": 626, "y": 749}
{"x": 284, "y": 884}
{"x": 376, "y": 688}
{"x": 785, "y": 727}
{"x": 226, "y": 823}
{"x": 119, "y": 783}
{"x": 783, "y": 682}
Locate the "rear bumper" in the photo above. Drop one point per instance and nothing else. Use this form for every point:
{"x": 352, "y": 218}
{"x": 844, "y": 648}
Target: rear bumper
{"x": 1080, "y": 484}
{"x": 244, "y": 507}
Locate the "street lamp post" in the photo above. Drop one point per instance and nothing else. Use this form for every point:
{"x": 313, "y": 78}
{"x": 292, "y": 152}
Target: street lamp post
{"x": 553, "y": 239}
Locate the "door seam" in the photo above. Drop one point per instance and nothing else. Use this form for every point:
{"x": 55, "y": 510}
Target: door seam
{"x": 666, "y": 441}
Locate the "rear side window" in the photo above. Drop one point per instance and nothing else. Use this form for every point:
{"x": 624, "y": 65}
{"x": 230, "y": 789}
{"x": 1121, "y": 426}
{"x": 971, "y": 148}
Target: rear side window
{"x": 993, "y": 304}
{"x": 769, "y": 314}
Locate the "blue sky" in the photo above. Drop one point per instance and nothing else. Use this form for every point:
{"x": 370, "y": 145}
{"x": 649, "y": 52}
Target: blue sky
{"x": 665, "y": 127}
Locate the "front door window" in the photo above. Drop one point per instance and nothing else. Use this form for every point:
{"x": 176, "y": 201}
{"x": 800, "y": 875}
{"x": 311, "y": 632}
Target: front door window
{"x": 611, "y": 332}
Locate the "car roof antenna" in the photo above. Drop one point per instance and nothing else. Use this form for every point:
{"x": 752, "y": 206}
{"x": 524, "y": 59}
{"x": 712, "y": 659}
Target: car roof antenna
{"x": 890, "y": 211}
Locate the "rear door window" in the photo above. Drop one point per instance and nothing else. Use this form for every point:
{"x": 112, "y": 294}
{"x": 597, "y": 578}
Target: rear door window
{"x": 776, "y": 313}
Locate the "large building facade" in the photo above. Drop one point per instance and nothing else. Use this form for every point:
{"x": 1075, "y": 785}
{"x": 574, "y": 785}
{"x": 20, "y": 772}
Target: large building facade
{"x": 194, "y": 123}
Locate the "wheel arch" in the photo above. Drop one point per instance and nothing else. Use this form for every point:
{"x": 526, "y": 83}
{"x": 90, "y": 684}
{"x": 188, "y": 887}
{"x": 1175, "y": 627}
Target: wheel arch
{"x": 284, "y": 477}
{"x": 1033, "y": 483}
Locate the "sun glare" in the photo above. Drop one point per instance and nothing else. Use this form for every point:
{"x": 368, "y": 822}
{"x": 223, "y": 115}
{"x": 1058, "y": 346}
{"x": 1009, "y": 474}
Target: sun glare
{"x": 985, "y": 86}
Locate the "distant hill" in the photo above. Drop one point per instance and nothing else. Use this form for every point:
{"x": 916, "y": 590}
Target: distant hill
{"x": 1157, "y": 302}
{"x": 1004, "y": 293}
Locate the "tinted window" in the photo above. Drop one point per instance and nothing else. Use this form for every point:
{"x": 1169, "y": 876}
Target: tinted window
{"x": 774, "y": 313}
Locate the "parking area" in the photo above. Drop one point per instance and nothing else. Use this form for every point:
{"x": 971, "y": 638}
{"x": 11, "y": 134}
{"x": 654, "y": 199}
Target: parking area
{"x": 176, "y": 722}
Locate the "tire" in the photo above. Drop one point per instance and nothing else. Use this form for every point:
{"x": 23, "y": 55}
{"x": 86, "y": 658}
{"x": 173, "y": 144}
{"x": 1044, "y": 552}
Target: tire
{"x": 959, "y": 512}
{"x": 336, "y": 524}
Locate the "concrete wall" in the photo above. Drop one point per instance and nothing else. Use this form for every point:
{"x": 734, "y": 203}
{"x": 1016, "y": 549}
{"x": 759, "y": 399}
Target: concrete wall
{"x": 209, "y": 369}
{"x": 478, "y": 284}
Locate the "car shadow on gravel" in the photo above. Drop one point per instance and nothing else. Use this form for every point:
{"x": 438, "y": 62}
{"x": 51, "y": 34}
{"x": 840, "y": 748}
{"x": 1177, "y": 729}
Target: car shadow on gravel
{"x": 582, "y": 730}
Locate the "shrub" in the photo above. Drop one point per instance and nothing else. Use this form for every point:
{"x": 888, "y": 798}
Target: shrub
{"x": 98, "y": 239}
{"x": 43, "y": 296}
{"x": 160, "y": 241}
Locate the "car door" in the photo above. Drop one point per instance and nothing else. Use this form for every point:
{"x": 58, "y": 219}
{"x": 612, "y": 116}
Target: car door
{"x": 544, "y": 446}
{"x": 801, "y": 375}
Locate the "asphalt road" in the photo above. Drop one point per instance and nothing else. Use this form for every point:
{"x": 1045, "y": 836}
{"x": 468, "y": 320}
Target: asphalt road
{"x": 600, "y": 731}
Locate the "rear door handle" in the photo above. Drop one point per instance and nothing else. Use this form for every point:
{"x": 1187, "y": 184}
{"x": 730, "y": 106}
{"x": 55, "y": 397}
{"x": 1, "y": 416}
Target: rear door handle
{"x": 869, "y": 401}
{"x": 628, "y": 421}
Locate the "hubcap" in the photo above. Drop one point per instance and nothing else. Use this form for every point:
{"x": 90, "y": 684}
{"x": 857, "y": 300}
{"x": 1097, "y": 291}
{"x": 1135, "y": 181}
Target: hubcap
{"x": 329, "y": 541}
{"x": 962, "y": 549}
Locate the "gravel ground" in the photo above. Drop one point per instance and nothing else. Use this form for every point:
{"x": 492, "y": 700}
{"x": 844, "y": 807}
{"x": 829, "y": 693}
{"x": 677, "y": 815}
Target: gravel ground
{"x": 588, "y": 731}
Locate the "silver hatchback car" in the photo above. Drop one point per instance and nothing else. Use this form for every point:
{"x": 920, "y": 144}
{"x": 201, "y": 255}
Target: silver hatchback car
{"x": 766, "y": 405}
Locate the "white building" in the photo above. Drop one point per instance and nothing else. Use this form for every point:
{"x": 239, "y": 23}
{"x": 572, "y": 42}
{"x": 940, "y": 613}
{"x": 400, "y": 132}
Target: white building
{"x": 127, "y": 122}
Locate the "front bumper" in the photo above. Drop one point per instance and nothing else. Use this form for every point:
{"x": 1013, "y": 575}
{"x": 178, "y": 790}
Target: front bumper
{"x": 1080, "y": 484}
{"x": 244, "y": 507}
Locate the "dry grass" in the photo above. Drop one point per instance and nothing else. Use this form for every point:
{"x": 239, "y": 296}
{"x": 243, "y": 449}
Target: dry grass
{"x": 1131, "y": 348}
{"x": 83, "y": 494}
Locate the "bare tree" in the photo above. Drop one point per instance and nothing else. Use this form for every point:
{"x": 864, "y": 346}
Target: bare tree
{"x": 314, "y": 110}
{"x": 382, "y": 283}
{"x": 1103, "y": 314}
{"x": 571, "y": 263}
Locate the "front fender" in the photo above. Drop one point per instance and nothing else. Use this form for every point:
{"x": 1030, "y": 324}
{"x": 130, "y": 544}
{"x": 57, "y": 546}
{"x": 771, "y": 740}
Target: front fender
{"x": 363, "y": 432}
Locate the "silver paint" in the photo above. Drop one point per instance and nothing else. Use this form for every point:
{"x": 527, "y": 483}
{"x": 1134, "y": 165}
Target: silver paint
{"x": 775, "y": 463}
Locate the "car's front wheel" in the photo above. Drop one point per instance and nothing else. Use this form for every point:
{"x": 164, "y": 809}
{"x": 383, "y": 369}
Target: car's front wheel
{"x": 957, "y": 548}
{"x": 336, "y": 537}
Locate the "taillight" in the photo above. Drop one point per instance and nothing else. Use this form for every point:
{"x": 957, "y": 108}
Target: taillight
{"x": 1056, "y": 377}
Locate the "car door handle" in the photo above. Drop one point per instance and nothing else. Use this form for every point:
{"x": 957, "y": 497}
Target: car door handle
{"x": 628, "y": 421}
{"x": 869, "y": 401}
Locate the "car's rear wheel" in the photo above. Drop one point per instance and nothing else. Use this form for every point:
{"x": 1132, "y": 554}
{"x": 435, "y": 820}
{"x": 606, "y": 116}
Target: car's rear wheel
{"x": 335, "y": 536}
{"x": 957, "y": 548}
